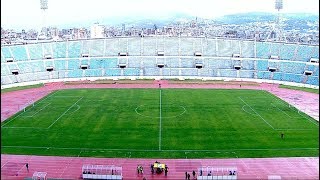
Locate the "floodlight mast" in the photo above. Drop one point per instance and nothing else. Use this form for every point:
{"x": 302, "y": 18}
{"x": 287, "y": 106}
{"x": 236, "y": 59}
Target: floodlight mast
{"x": 277, "y": 29}
{"x": 43, "y": 7}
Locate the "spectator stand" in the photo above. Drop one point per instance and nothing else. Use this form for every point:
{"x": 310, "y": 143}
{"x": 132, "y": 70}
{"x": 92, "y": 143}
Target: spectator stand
{"x": 101, "y": 172}
{"x": 39, "y": 176}
{"x": 210, "y": 172}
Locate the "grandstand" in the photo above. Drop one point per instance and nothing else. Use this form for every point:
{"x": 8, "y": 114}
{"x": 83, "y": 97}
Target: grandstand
{"x": 160, "y": 57}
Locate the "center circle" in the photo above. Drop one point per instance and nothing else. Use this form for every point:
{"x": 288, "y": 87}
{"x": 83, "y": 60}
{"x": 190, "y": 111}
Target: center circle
{"x": 167, "y": 111}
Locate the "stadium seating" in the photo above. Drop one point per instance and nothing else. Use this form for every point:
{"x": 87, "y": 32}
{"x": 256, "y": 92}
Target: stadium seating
{"x": 292, "y": 67}
{"x": 96, "y": 48}
{"x": 74, "y": 49}
{"x": 186, "y": 47}
{"x": 111, "y": 47}
{"x": 19, "y": 52}
{"x": 264, "y": 74}
{"x": 225, "y": 48}
{"x": 151, "y": 72}
{"x": 149, "y": 62}
{"x": 275, "y": 49}
{"x": 142, "y": 56}
{"x": 76, "y": 73}
{"x": 304, "y": 53}
{"x": 171, "y": 46}
{"x": 287, "y": 51}
{"x": 173, "y": 62}
{"x": 131, "y": 72}
{"x": 93, "y": 73}
{"x": 209, "y": 47}
{"x": 134, "y": 46}
{"x": 228, "y": 73}
{"x": 59, "y": 49}
{"x": 187, "y": 62}
{"x": 246, "y": 74}
{"x": 35, "y": 51}
{"x": 47, "y": 48}
{"x": 263, "y": 50}
{"x": 315, "y": 53}
{"x": 277, "y": 76}
{"x": 85, "y": 47}
{"x": 247, "y": 64}
{"x": 73, "y": 64}
{"x": 149, "y": 47}
{"x": 247, "y": 48}
{"x": 5, "y": 52}
{"x": 109, "y": 63}
{"x": 313, "y": 80}
{"x": 113, "y": 72}
{"x": 189, "y": 72}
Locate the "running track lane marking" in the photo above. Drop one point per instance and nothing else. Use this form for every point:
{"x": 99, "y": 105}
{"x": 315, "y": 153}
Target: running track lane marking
{"x": 64, "y": 113}
{"x": 160, "y": 121}
{"x": 256, "y": 113}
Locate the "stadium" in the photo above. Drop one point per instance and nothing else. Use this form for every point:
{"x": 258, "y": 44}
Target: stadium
{"x": 194, "y": 103}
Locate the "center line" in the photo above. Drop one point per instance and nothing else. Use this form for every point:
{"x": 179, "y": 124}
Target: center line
{"x": 160, "y": 123}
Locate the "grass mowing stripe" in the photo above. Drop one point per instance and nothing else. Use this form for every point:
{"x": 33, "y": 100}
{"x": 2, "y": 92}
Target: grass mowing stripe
{"x": 256, "y": 113}
{"x": 214, "y": 125}
{"x": 64, "y": 113}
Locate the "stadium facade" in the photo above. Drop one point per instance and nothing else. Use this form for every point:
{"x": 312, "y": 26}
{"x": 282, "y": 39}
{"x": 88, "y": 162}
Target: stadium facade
{"x": 160, "y": 57}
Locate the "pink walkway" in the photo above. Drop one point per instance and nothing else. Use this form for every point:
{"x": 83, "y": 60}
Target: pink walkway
{"x": 13, "y": 166}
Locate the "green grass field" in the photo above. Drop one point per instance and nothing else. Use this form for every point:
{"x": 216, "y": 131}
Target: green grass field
{"x": 166, "y": 123}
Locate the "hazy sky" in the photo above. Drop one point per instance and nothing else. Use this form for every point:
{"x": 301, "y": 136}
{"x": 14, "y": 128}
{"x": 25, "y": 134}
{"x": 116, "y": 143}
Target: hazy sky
{"x": 27, "y": 13}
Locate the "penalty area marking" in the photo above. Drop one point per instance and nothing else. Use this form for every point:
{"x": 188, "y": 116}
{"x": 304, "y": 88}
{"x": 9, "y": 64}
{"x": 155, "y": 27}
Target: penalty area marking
{"x": 247, "y": 111}
{"x": 37, "y": 111}
{"x": 256, "y": 113}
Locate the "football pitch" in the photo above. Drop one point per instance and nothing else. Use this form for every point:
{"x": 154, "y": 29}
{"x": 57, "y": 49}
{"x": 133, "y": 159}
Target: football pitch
{"x": 161, "y": 123}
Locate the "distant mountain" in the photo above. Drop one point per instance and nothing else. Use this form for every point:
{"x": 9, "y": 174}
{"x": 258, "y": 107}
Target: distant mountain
{"x": 148, "y": 20}
{"x": 243, "y": 18}
{"x": 143, "y": 21}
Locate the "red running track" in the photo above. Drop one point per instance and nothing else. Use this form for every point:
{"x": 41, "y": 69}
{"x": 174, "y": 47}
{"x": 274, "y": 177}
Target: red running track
{"x": 13, "y": 166}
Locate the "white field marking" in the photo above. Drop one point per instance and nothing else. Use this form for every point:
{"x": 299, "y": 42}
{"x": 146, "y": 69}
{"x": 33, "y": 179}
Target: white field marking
{"x": 247, "y": 111}
{"x": 282, "y": 111}
{"x": 74, "y": 110}
{"x": 11, "y": 120}
{"x": 24, "y": 111}
{"x": 282, "y": 102}
{"x": 67, "y": 96}
{"x": 64, "y": 113}
{"x": 17, "y": 127}
{"x": 155, "y": 150}
{"x": 160, "y": 115}
{"x": 184, "y": 111}
{"x": 37, "y": 111}
{"x": 294, "y": 129}
{"x": 256, "y": 112}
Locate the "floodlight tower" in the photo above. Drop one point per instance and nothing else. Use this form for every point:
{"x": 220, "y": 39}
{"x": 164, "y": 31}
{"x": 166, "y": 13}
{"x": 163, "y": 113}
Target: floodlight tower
{"x": 277, "y": 27}
{"x": 43, "y": 7}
